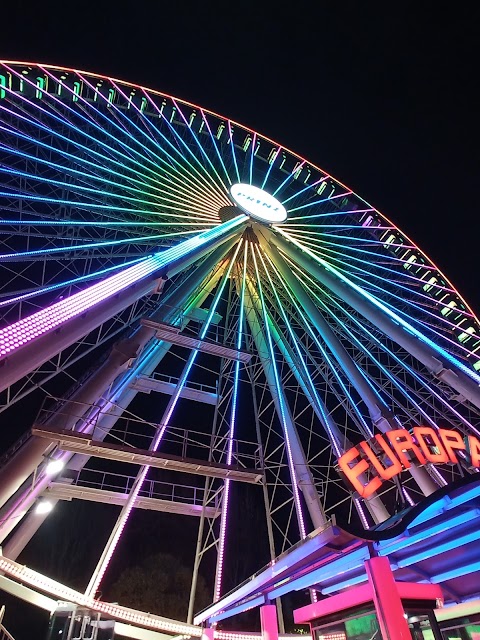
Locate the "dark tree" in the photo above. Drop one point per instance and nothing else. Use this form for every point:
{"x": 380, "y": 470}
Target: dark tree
{"x": 158, "y": 585}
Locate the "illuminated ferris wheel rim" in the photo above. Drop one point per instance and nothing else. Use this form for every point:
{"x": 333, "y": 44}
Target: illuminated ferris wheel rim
{"x": 302, "y": 160}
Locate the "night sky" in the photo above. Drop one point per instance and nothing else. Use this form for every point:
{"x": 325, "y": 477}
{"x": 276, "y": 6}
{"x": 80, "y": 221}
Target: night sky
{"x": 379, "y": 95}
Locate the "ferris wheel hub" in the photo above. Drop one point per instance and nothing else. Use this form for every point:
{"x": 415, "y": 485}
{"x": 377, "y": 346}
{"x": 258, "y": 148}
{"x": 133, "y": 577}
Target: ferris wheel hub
{"x": 257, "y": 203}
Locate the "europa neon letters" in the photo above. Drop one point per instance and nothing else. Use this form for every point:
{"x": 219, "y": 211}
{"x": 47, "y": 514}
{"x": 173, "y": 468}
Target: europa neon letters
{"x": 389, "y": 454}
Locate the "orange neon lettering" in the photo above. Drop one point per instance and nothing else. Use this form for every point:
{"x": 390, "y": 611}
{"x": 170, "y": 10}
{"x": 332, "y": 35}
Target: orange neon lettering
{"x": 452, "y": 440}
{"x": 474, "y": 451}
{"x": 384, "y": 472}
{"x": 420, "y": 434}
{"x": 434, "y": 447}
{"x": 352, "y": 473}
{"x": 401, "y": 441}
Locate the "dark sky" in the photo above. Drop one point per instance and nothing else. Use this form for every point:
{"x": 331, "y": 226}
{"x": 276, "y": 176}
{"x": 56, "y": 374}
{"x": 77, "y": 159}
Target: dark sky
{"x": 381, "y": 95}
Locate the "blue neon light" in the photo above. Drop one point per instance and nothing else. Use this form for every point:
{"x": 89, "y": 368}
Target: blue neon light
{"x": 436, "y": 550}
{"x": 388, "y": 547}
{"x": 455, "y": 573}
{"x": 346, "y": 583}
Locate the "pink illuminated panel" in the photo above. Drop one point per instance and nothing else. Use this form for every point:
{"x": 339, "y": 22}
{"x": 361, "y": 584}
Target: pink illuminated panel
{"x": 24, "y": 331}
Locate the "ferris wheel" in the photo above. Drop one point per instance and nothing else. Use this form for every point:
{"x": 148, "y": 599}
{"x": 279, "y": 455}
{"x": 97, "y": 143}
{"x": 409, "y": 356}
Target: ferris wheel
{"x": 149, "y": 246}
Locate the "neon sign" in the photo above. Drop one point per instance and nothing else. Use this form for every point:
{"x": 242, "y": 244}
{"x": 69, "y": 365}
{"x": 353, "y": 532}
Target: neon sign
{"x": 424, "y": 444}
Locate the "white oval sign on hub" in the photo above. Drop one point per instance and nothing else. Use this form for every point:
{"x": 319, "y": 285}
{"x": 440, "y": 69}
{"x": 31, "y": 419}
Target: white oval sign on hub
{"x": 258, "y": 203}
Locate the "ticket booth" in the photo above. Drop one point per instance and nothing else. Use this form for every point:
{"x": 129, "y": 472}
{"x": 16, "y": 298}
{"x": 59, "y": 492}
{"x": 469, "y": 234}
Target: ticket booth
{"x": 381, "y": 609}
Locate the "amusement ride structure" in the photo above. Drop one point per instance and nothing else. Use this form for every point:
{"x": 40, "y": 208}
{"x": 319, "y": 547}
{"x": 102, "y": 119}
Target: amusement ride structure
{"x": 180, "y": 260}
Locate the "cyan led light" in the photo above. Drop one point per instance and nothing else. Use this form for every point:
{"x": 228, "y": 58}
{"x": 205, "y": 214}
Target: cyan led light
{"x": 380, "y": 305}
{"x": 445, "y": 504}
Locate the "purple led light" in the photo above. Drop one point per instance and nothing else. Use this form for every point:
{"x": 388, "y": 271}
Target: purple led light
{"x": 408, "y": 497}
{"x": 125, "y": 514}
{"x": 94, "y": 584}
{"x": 20, "y": 333}
{"x": 361, "y": 513}
{"x": 231, "y": 434}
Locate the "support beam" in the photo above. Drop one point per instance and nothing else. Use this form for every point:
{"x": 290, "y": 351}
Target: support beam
{"x": 208, "y": 633}
{"x": 172, "y": 334}
{"x": 374, "y": 504}
{"x": 146, "y": 384}
{"x": 389, "y": 608}
{"x": 441, "y": 364}
{"x": 21, "y": 478}
{"x": 301, "y": 470}
{"x": 27, "y": 595}
{"x": 80, "y": 443}
{"x": 379, "y": 412}
{"x": 268, "y": 622}
{"x": 67, "y": 491}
